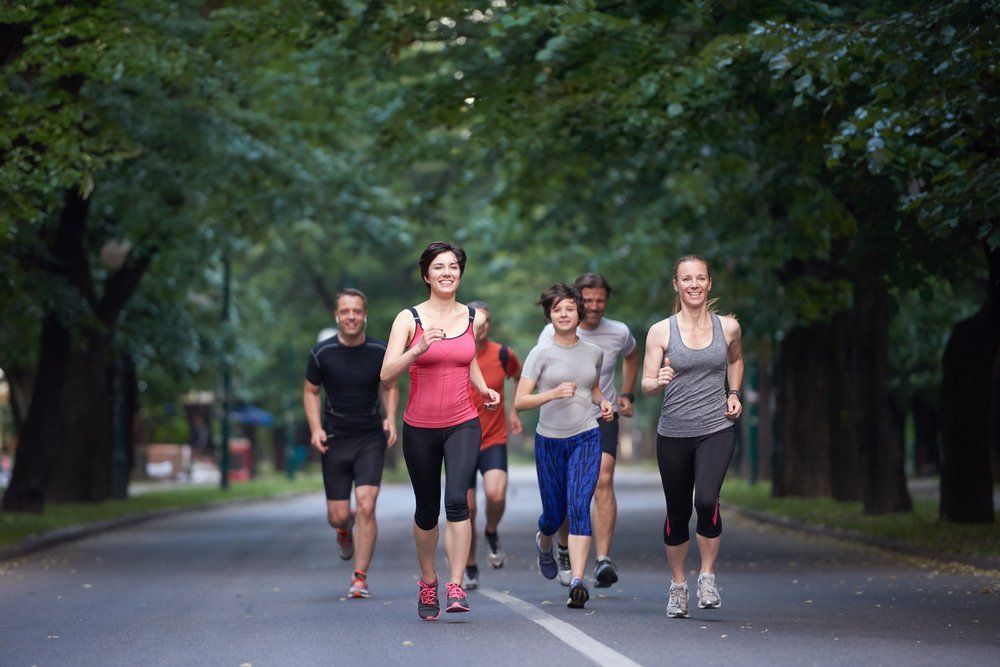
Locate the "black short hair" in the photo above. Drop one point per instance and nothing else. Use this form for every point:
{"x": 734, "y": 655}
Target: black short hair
{"x": 435, "y": 249}
{"x": 556, "y": 293}
{"x": 349, "y": 291}
{"x": 593, "y": 281}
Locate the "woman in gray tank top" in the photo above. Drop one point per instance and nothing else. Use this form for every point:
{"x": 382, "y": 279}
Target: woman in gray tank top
{"x": 692, "y": 356}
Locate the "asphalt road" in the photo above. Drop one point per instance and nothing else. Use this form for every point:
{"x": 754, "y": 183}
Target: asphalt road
{"x": 260, "y": 584}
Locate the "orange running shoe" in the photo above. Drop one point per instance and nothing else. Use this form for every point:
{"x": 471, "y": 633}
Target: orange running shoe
{"x": 359, "y": 585}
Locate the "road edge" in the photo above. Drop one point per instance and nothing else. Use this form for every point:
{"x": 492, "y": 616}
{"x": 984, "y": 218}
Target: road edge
{"x": 977, "y": 561}
{"x": 59, "y": 536}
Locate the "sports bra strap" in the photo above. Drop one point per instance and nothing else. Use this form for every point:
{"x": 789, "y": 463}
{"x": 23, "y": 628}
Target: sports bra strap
{"x": 472, "y": 313}
{"x": 416, "y": 316}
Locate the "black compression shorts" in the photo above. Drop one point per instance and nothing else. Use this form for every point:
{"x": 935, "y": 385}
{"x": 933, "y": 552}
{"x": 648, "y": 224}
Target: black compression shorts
{"x": 353, "y": 458}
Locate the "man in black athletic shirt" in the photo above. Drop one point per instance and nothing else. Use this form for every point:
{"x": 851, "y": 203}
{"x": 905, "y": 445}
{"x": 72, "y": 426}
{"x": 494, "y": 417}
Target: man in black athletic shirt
{"x": 349, "y": 429}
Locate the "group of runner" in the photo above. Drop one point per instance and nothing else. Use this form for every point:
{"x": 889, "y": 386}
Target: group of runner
{"x": 455, "y": 415}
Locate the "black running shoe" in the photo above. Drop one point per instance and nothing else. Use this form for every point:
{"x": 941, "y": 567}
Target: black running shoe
{"x": 605, "y": 573}
{"x": 578, "y": 594}
{"x": 428, "y": 607}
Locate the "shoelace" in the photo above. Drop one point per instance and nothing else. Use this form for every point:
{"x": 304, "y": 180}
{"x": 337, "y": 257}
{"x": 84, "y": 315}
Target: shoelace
{"x": 564, "y": 560}
{"x": 677, "y": 596}
{"x": 428, "y": 593}
{"x": 707, "y": 587}
{"x": 455, "y": 591}
{"x": 360, "y": 579}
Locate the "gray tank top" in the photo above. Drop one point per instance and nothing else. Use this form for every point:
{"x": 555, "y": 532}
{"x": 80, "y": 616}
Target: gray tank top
{"x": 694, "y": 403}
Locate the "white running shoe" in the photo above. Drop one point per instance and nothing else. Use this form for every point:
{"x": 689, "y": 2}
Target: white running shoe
{"x": 677, "y": 601}
{"x": 708, "y": 593}
{"x": 565, "y": 573}
{"x": 494, "y": 554}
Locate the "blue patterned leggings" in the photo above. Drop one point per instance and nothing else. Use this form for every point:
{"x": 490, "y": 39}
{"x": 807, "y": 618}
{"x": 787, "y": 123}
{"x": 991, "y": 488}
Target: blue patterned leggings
{"x": 567, "y": 476}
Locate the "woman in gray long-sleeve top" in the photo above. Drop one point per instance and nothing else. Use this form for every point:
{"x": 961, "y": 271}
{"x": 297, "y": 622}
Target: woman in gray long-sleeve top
{"x": 692, "y": 356}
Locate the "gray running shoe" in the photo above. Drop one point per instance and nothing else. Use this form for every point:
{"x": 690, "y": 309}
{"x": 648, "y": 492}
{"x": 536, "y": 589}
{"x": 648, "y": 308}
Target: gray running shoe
{"x": 565, "y": 573}
{"x": 546, "y": 561}
{"x": 471, "y": 577}
{"x": 494, "y": 554}
{"x": 677, "y": 601}
{"x": 605, "y": 573}
{"x": 708, "y": 593}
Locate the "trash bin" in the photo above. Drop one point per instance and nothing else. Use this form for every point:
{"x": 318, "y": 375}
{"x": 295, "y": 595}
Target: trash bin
{"x": 240, "y": 460}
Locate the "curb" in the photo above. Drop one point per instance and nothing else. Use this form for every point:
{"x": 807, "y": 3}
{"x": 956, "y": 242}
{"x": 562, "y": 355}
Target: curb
{"x": 72, "y": 533}
{"x": 978, "y": 561}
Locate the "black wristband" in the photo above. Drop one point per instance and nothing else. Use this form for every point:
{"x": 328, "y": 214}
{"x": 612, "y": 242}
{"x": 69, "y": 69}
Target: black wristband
{"x": 629, "y": 395}
{"x": 739, "y": 395}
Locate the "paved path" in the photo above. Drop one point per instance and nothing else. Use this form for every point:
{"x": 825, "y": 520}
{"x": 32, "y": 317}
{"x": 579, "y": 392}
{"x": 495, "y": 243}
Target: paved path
{"x": 259, "y": 584}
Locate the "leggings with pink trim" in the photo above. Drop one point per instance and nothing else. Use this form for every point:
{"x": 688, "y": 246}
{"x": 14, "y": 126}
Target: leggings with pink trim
{"x": 696, "y": 464}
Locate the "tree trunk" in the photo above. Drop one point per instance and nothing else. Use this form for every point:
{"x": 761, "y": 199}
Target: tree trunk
{"x": 65, "y": 450}
{"x": 21, "y": 382}
{"x": 36, "y": 441}
{"x": 926, "y": 428}
{"x": 881, "y": 448}
{"x": 765, "y": 409}
{"x": 969, "y": 390}
{"x": 837, "y": 434}
{"x": 82, "y": 470}
{"x": 803, "y": 394}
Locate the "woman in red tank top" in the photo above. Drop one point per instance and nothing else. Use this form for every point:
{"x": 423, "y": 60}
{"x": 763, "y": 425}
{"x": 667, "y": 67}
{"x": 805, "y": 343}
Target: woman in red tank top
{"x": 436, "y": 342}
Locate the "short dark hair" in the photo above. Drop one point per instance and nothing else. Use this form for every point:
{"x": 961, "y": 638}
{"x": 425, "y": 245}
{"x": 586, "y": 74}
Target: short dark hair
{"x": 556, "y": 293}
{"x": 349, "y": 291}
{"x": 593, "y": 281}
{"x": 435, "y": 249}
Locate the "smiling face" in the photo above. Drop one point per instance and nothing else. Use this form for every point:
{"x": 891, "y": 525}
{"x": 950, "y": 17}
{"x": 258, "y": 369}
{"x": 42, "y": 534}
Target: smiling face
{"x": 565, "y": 315}
{"x": 692, "y": 282}
{"x": 444, "y": 274}
{"x": 350, "y": 315}
{"x": 595, "y": 299}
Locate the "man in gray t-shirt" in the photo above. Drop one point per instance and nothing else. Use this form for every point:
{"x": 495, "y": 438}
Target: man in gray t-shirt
{"x": 616, "y": 340}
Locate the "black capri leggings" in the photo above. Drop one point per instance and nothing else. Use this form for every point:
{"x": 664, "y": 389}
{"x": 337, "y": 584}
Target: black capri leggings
{"x": 696, "y": 464}
{"x": 423, "y": 450}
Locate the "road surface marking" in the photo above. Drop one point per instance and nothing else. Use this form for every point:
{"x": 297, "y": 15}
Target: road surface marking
{"x": 577, "y": 639}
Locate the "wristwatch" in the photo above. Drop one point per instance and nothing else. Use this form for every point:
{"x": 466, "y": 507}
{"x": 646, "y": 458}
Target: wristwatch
{"x": 629, "y": 395}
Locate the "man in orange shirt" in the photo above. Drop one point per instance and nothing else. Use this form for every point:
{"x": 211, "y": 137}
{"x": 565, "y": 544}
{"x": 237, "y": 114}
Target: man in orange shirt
{"x": 497, "y": 362}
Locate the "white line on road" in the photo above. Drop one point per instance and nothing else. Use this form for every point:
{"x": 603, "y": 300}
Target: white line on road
{"x": 576, "y": 639}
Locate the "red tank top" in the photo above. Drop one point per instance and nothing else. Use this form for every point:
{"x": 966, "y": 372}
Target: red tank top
{"x": 439, "y": 380}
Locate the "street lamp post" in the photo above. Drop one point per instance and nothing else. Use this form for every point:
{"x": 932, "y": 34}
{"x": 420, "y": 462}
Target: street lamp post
{"x": 227, "y": 380}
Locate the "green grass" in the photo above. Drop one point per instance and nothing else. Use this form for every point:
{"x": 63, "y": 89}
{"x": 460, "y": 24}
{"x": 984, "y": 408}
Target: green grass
{"x": 920, "y": 528}
{"x": 15, "y": 527}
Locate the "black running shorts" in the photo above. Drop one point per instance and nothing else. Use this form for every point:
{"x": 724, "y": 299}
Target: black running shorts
{"x": 493, "y": 457}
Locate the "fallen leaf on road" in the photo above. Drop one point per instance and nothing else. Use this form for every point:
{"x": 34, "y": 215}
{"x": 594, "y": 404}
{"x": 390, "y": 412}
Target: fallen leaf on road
{"x": 87, "y": 586}
{"x": 546, "y": 602}
{"x": 246, "y": 664}
{"x": 723, "y": 636}
{"x": 987, "y": 590}
{"x": 407, "y": 643}
{"x": 808, "y": 602}
{"x": 53, "y": 636}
